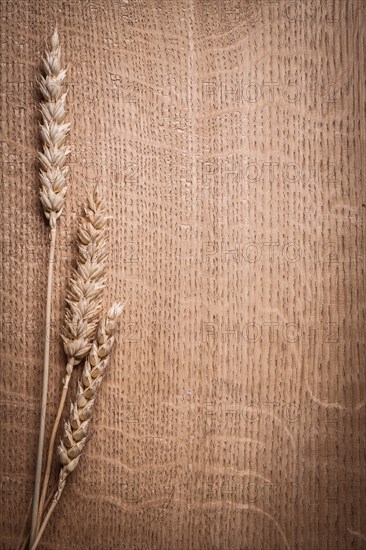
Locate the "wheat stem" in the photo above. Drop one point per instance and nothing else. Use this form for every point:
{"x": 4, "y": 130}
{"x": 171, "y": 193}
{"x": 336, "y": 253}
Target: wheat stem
{"x": 45, "y": 521}
{"x": 23, "y": 543}
{"x": 51, "y": 446}
{"x": 37, "y": 483}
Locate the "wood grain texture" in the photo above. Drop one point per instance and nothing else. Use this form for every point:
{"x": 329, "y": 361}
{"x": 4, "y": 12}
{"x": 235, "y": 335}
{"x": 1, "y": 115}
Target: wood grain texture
{"x": 229, "y": 140}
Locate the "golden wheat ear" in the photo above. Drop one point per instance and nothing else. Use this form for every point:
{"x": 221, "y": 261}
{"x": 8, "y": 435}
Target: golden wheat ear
{"x": 76, "y": 430}
{"x": 83, "y": 305}
{"x": 54, "y": 131}
{"x": 77, "y": 426}
{"x": 83, "y": 296}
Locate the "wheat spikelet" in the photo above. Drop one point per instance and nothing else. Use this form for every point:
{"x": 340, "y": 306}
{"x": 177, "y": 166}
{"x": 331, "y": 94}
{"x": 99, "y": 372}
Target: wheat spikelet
{"x": 87, "y": 283}
{"x": 54, "y": 131}
{"x": 76, "y": 430}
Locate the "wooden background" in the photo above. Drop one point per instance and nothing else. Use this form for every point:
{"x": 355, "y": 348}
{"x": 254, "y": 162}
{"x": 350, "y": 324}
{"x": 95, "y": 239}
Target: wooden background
{"x": 228, "y": 137}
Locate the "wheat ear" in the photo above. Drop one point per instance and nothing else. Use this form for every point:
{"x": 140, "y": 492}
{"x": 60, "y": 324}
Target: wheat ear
{"x": 53, "y": 132}
{"x": 76, "y": 432}
{"x": 83, "y": 304}
{"x": 53, "y": 174}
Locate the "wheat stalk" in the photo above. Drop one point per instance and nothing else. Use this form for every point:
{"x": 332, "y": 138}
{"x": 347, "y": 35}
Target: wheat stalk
{"x": 53, "y": 172}
{"x": 76, "y": 431}
{"x": 83, "y": 304}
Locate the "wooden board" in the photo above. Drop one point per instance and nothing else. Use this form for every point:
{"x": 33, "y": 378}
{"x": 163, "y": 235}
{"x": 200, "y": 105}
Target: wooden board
{"x": 229, "y": 140}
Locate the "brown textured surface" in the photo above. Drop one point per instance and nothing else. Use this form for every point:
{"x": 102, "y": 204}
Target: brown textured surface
{"x": 211, "y": 432}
